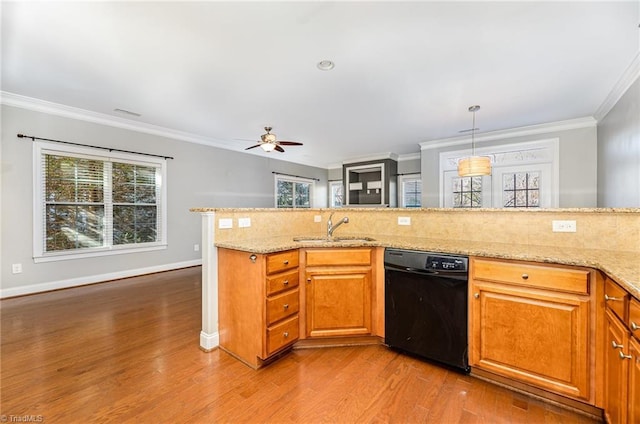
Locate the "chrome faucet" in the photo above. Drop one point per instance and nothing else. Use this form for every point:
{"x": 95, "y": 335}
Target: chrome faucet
{"x": 331, "y": 228}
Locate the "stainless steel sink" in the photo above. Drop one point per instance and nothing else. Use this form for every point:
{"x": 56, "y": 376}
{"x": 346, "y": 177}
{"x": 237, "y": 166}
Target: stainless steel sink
{"x": 345, "y": 239}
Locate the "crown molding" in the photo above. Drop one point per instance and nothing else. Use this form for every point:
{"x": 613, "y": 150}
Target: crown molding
{"x": 44, "y": 106}
{"x": 379, "y": 156}
{"x": 570, "y": 124}
{"x": 629, "y": 76}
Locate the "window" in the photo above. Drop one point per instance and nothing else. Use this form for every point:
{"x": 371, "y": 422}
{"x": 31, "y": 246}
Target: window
{"x": 521, "y": 190}
{"x": 293, "y": 192}
{"x": 410, "y": 191}
{"x": 335, "y": 191}
{"x": 88, "y": 204}
{"x": 467, "y": 192}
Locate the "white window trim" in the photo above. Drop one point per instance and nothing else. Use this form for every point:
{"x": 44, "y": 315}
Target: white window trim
{"x": 331, "y": 199}
{"x": 39, "y": 255}
{"x": 401, "y": 180}
{"x": 526, "y": 153}
{"x": 283, "y": 177}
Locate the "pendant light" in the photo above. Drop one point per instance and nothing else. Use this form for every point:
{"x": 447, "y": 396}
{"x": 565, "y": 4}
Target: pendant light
{"x": 474, "y": 166}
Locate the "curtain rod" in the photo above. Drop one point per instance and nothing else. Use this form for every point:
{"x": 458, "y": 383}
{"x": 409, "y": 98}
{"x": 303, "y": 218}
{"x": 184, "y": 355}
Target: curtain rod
{"x": 95, "y": 147}
{"x": 296, "y": 176}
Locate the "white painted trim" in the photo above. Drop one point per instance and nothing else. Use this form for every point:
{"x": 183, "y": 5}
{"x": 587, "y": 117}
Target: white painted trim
{"x": 209, "y": 334}
{"x": 380, "y": 156}
{"x": 209, "y": 341}
{"x": 570, "y": 124}
{"x": 630, "y": 75}
{"x": 38, "y": 105}
{"x": 409, "y": 156}
{"x": 92, "y": 279}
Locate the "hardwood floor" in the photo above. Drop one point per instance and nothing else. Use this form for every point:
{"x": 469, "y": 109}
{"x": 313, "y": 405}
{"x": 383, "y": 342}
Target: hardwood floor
{"x": 127, "y": 351}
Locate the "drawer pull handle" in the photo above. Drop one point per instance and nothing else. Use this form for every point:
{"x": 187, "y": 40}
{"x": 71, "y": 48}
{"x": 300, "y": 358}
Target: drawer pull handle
{"x": 634, "y": 326}
{"x": 285, "y": 283}
{"x": 611, "y": 298}
{"x": 286, "y": 262}
{"x": 286, "y": 306}
{"x": 286, "y": 334}
{"x": 476, "y": 295}
{"x": 623, "y": 356}
{"x": 616, "y": 345}
{"x": 525, "y": 276}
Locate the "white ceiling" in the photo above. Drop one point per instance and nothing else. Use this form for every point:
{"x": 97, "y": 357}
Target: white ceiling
{"x": 405, "y": 72}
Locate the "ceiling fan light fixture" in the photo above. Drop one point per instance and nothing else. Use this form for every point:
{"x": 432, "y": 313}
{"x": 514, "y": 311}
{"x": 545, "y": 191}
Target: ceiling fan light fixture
{"x": 474, "y": 166}
{"x": 326, "y": 65}
{"x": 268, "y": 147}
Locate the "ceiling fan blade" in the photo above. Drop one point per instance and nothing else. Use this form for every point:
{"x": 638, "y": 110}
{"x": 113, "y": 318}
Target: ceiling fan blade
{"x": 289, "y": 143}
{"x": 253, "y": 147}
{"x": 280, "y": 149}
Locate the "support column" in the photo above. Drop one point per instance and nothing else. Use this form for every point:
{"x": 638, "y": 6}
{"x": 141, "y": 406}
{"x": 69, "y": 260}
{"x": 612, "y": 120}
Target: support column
{"x": 209, "y": 336}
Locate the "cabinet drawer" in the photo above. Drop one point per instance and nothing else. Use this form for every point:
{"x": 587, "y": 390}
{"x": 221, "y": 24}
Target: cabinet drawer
{"x": 634, "y": 318}
{"x": 281, "y": 282}
{"x": 331, "y": 257}
{"x": 282, "y": 261}
{"x": 282, "y": 305}
{"x": 280, "y": 335}
{"x": 616, "y": 298}
{"x": 538, "y": 276}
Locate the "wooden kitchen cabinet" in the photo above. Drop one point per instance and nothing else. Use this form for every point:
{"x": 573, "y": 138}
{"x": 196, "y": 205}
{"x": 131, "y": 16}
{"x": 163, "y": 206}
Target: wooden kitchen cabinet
{"x": 622, "y": 356}
{"x": 531, "y": 323}
{"x": 258, "y": 304}
{"x": 338, "y": 288}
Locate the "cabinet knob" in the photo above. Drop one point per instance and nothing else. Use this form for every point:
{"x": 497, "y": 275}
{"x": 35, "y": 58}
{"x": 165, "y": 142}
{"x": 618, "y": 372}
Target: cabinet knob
{"x": 623, "y": 356}
{"x": 286, "y": 334}
{"x": 285, "y": 283}
{"x": 476, "y": 295}
{"x": 616, "y": 345}
{"x": 286, "y": 262}
{"x": 285, "y": 306}
{"x": 308, "y": 280}
{"x": 525, "y": 276}
{"x": 611, "y": 298}
{"x": 634, "y": 326}
{"x": 253, "y": 258}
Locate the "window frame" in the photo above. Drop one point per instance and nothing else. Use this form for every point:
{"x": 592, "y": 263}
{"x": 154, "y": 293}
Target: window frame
{"x": 39, "y": 225}
{"x": 402, "y": 179}
{"x": 294, "y": 180}
{"x": 332, "y": 200}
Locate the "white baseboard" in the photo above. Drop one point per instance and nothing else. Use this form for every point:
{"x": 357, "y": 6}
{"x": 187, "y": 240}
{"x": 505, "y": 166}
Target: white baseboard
{"x": 209, "y": 341}
{"x": 91, "y": 279}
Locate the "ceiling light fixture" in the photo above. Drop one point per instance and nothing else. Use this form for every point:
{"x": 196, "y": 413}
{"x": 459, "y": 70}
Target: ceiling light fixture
{"x": 268, "y": 146}
{"x": 474, "y": 166}
{"x": 326, "y": 65}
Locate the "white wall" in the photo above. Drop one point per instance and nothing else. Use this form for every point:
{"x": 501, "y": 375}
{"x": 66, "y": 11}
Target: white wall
{"x": 199, "y": 176}
{"x": 619, "y": 153}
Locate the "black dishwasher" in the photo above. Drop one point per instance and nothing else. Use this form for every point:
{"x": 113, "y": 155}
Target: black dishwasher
{"x": 426, "y": 305}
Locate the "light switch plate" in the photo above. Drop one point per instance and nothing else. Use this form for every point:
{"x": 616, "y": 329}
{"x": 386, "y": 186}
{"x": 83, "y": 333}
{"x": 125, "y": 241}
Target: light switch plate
{"x": 404, "y": 220}
{"x": 563, "y": 226}
{"x": 225, "y": 223}
{"x": 244, "y": 222}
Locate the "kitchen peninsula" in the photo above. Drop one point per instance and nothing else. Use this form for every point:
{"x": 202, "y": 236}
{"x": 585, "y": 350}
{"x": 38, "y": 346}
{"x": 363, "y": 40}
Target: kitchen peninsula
{"x": 606, "y": 245}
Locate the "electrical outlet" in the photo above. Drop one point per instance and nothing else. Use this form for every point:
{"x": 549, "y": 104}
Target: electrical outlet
{"x": 196, "y": 247}
{"x": 16, "y": 268}
{"x": 404, "y": 220}
{"x": 225, "y": 223}
{"x": 563, "y": 226}
{"x": 317, "y": 218}
{"x": 244, "y": 222}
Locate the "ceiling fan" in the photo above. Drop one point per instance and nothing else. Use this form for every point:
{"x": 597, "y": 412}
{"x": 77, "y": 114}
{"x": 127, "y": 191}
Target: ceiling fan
{"x": 268, "y": 142}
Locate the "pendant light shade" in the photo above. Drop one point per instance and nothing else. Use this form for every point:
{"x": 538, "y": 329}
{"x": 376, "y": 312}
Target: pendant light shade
{"x": 474, "y": 166}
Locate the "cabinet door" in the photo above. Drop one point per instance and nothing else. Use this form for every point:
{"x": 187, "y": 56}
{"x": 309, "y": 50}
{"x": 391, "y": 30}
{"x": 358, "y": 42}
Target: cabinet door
{"x": 634, "y": 381}
{"x": 338, "y": 302}
{"x": 616, "y": 371}
{"x": 533, "y": 336}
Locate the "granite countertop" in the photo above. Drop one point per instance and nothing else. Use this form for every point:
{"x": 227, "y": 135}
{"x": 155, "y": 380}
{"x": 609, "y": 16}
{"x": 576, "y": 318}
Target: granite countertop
{"x": 622, "y": 267}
